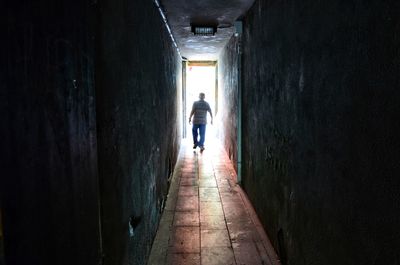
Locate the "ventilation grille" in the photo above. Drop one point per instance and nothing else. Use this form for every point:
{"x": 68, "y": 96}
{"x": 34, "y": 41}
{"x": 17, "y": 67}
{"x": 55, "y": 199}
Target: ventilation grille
{"x": 204, "y": 30}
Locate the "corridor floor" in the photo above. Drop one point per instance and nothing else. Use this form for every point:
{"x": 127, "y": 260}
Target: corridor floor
{"x": 208, "y": 219}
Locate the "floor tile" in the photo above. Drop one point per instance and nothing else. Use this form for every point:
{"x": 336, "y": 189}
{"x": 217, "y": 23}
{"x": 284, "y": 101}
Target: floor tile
{"x": 187, "y": 203}
{"x": 212, "y": 222}
{"x": 227, "y": 197}
{"x": 211, "y": 208}
{"x": 192, "y": 181}
{"x": 209, "y": 194}
{"x": 246, "y": 253}
{"x": 183, "y": 259}
{"x": 206, "y": 175}
{"x": 243, "y": 232}
{"x": 208, "y": 191}
{"x": 208, "y": 183}
{"x": 188, "y": 174}
{"x": 185, "y": 240}
{"x": 223, "y": 183}
{"x": 235, "y": 210}
{"x": 214, "y": 238}
{"x": 217, "y": 256}
{"x": 171, "y": 202}
{"x": 188, "y": 191}
{"x": 186, "y": 218}
{"x": 224, "y": 189}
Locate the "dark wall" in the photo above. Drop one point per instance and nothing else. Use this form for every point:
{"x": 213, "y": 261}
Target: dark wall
{"x": 321, "y": 103}
{"x": 138, "y": 73}
{"x": 49, "y": 180}
{"x": 228, "y": 71}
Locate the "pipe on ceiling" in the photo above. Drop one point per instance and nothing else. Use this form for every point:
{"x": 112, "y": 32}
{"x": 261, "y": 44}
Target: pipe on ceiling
{"x": 167, "y": 26}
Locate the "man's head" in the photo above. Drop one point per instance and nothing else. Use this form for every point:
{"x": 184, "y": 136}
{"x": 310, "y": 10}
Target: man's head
{"x": 202, "y": 96}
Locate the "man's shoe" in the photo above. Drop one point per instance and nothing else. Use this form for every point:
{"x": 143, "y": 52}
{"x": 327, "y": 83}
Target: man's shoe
{"x": 202, "y": 149}
{"x": 194, "y": 146}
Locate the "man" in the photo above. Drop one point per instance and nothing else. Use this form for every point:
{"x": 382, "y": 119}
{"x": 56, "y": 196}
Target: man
{"x": 199, "y": 110}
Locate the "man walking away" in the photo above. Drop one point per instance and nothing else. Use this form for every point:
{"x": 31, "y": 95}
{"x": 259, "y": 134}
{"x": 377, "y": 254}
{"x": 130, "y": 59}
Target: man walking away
{"x": 199, "y": 111}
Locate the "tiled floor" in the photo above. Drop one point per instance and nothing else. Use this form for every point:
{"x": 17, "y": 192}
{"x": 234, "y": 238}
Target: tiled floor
{"x": 208, "y": 219}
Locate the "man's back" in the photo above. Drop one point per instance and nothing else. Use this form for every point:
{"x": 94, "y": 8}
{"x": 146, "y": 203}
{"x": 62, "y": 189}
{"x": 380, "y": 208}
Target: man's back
{"x": 200, "y": 108}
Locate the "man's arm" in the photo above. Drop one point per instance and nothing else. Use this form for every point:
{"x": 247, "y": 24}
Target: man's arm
{"x": 191, "y": 114}
{"x": 209, "y": 110}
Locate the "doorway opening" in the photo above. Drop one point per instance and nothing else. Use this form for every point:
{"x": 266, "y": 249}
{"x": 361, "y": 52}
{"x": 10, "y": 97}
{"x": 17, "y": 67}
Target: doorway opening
{"x": 200, "y": 76}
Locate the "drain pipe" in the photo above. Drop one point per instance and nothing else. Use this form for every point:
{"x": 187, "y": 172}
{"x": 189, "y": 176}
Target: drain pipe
{"x": 238, "y": 35}
{"x": 157, "y": 3}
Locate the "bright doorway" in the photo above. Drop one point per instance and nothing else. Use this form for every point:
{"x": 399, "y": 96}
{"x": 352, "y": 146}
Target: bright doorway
{"x": 200, "y": 76}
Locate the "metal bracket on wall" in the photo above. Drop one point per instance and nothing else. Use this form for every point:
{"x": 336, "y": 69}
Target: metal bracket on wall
{"x": 133, "y": 223}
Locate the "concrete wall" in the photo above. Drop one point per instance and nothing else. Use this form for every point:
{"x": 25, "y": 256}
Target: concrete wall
{"x": 138, "y": 83}
{"x": 321, "y": 103}
{"x": 228, "y": 98}
{"x": 49, "y": 183}
{"x": 64, "y": 111}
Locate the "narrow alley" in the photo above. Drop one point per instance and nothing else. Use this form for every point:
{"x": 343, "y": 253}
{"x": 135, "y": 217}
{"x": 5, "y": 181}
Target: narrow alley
{"x": 299, "y": 101}
{"x": 208, "y": 219}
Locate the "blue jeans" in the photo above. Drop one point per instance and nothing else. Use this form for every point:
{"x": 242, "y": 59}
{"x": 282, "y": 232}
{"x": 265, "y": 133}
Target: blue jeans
{"x": 196, "y": 130}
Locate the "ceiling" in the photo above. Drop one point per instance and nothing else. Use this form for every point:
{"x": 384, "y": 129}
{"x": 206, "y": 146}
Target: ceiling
{"x": 181, "y": 14}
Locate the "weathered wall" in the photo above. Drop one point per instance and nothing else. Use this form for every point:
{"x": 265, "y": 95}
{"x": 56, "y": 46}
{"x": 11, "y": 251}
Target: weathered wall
{"x": 228, "y": 98}
{"x": 137, "y": 76}
{"x": 49, "y": 180}
{"x": 321, "y": 103}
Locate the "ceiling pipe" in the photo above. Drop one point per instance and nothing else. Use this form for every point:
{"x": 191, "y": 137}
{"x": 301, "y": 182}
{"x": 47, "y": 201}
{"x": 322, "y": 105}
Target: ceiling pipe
{"x": 167, "y": 26}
